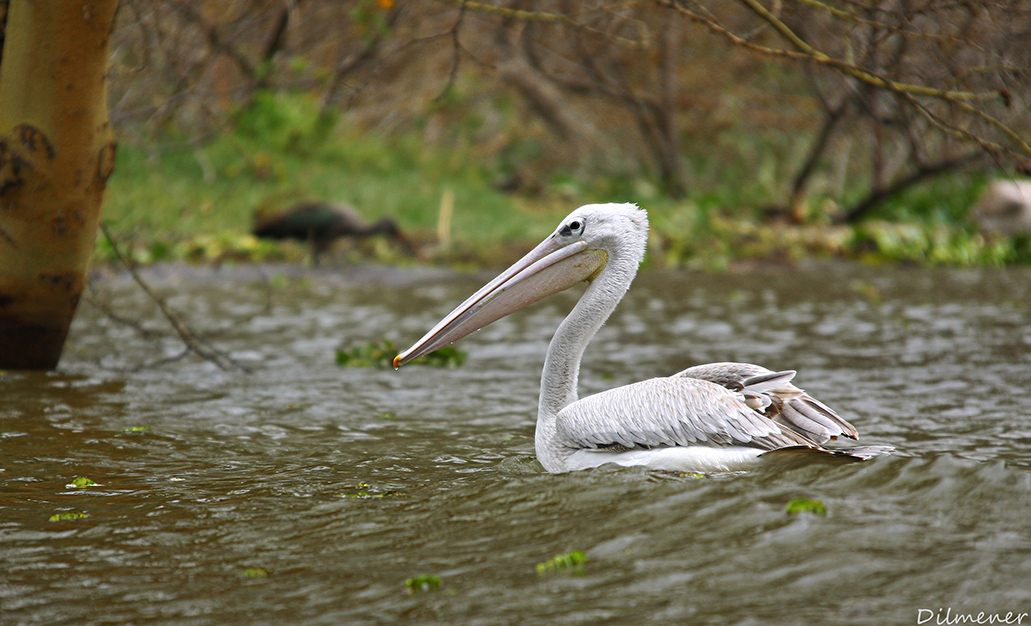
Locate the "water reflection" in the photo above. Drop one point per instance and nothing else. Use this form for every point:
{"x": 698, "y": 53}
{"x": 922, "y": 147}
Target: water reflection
{"x": 203, "y": 474}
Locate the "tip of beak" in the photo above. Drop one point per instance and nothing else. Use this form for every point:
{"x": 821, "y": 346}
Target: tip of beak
{"x": 396, "y": 359}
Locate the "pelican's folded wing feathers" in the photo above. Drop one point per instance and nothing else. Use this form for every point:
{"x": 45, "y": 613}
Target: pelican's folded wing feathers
{"x": 674, "y": 411}
{"x": 773, "y": 394}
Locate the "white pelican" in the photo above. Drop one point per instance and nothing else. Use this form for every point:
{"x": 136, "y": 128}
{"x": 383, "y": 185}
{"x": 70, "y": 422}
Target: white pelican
{"x": 707, "y": 418}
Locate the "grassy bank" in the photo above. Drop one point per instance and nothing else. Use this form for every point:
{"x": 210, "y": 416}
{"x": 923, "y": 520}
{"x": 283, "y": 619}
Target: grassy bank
{"x": 194, "y": 201}
{"x": 178, "y": 201}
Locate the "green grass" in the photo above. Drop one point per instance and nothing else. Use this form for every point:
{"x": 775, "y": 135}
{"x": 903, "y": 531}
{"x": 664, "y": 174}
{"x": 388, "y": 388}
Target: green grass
{"x": 178, "y": 201}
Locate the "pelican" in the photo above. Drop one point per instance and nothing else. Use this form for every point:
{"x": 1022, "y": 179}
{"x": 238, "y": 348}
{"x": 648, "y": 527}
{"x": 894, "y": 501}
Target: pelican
{"x": 708, "y": 418}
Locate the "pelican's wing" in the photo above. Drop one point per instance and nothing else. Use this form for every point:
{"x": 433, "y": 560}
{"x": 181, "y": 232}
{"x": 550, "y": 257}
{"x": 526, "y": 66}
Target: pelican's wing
{"x": 773, "y": 394}
{"x": 675, "y": 411}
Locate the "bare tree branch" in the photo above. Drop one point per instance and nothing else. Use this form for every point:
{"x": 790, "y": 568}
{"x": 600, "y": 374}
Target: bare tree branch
{"x": 543, "y": 16}
{"x": 879, "y": 195}
{"x": 214, "y": 39}
{"x": 193, "y": 342}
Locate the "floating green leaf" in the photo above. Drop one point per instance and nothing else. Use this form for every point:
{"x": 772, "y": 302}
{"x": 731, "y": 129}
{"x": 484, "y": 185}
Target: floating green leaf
{"x": 806, "y": 505}
{"x": 573, "y": 562}
{"x": 366, "y": 494}
{"x": 419, "y": 584}
{"x": 364, "y": 491}
{"x": 68, "y": 515}
{"x": 81, "y": 482}
{"x": 381, "y": 354}
{"x": 137, "y": 429}
{"x": 448, "y": 356}
{"x": 376, "y": 354}
{"x": 256, "y": 572}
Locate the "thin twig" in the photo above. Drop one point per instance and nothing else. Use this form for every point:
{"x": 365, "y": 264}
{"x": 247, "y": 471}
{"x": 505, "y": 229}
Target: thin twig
{"x": 192, "y": 341}
{"x": 884, "y": 26}
{"x": 808, "y": 53}
{"x": 959, "y": 99}
{"x": 96, "y": 302}
{"x": 456, "y": 54}
{"x": 542, "y": 16}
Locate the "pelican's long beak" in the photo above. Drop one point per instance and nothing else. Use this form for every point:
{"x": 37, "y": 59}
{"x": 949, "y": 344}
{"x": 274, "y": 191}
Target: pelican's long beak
{"x": 551, "y": 267}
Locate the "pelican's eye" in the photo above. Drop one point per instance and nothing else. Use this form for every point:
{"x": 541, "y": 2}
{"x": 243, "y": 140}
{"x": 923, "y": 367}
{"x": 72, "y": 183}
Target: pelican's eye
{"x": 574, "y": 227}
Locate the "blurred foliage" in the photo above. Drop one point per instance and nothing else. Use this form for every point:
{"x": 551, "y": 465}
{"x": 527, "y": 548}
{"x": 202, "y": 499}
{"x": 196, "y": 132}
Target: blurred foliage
{"x": 592, "y": 90}
{"x": 196, "y": 205}
{"x": 720, "y": 240}
{"x": 183, "y": 203}
{"x": 381, "y": 354}
{"x": 365, "y": 103}
{"x": 936, "y": 244}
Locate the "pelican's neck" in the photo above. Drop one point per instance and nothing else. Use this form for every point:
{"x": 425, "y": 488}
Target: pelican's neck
{"x": 562, "y": 363}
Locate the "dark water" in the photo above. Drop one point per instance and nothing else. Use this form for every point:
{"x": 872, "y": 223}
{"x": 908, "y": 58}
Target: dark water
{"x": 209, "y": 479}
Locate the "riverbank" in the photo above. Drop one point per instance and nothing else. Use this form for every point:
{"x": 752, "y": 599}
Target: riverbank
{"x": 180, "y": 200}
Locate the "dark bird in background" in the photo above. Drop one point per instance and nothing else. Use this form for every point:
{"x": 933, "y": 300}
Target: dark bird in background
{"x": 321, "y": 223}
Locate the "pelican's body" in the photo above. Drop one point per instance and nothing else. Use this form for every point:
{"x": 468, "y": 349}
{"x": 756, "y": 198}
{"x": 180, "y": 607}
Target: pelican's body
{"x": 716, "y": 417}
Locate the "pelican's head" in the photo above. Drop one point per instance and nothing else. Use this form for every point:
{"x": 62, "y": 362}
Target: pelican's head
{"x": 578, "y": 250}
{"x": 618, "y": 229}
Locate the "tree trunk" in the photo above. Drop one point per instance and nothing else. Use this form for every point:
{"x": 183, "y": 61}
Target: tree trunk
{"x": 56, "y": 154}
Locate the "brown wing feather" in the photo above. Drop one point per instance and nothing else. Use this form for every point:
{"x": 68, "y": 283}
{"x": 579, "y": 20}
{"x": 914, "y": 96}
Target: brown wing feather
{"x": 772, "y": 394}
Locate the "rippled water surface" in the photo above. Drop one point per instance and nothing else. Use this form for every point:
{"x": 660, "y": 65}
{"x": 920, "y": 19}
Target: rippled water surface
{"x": 304, "y": 493}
